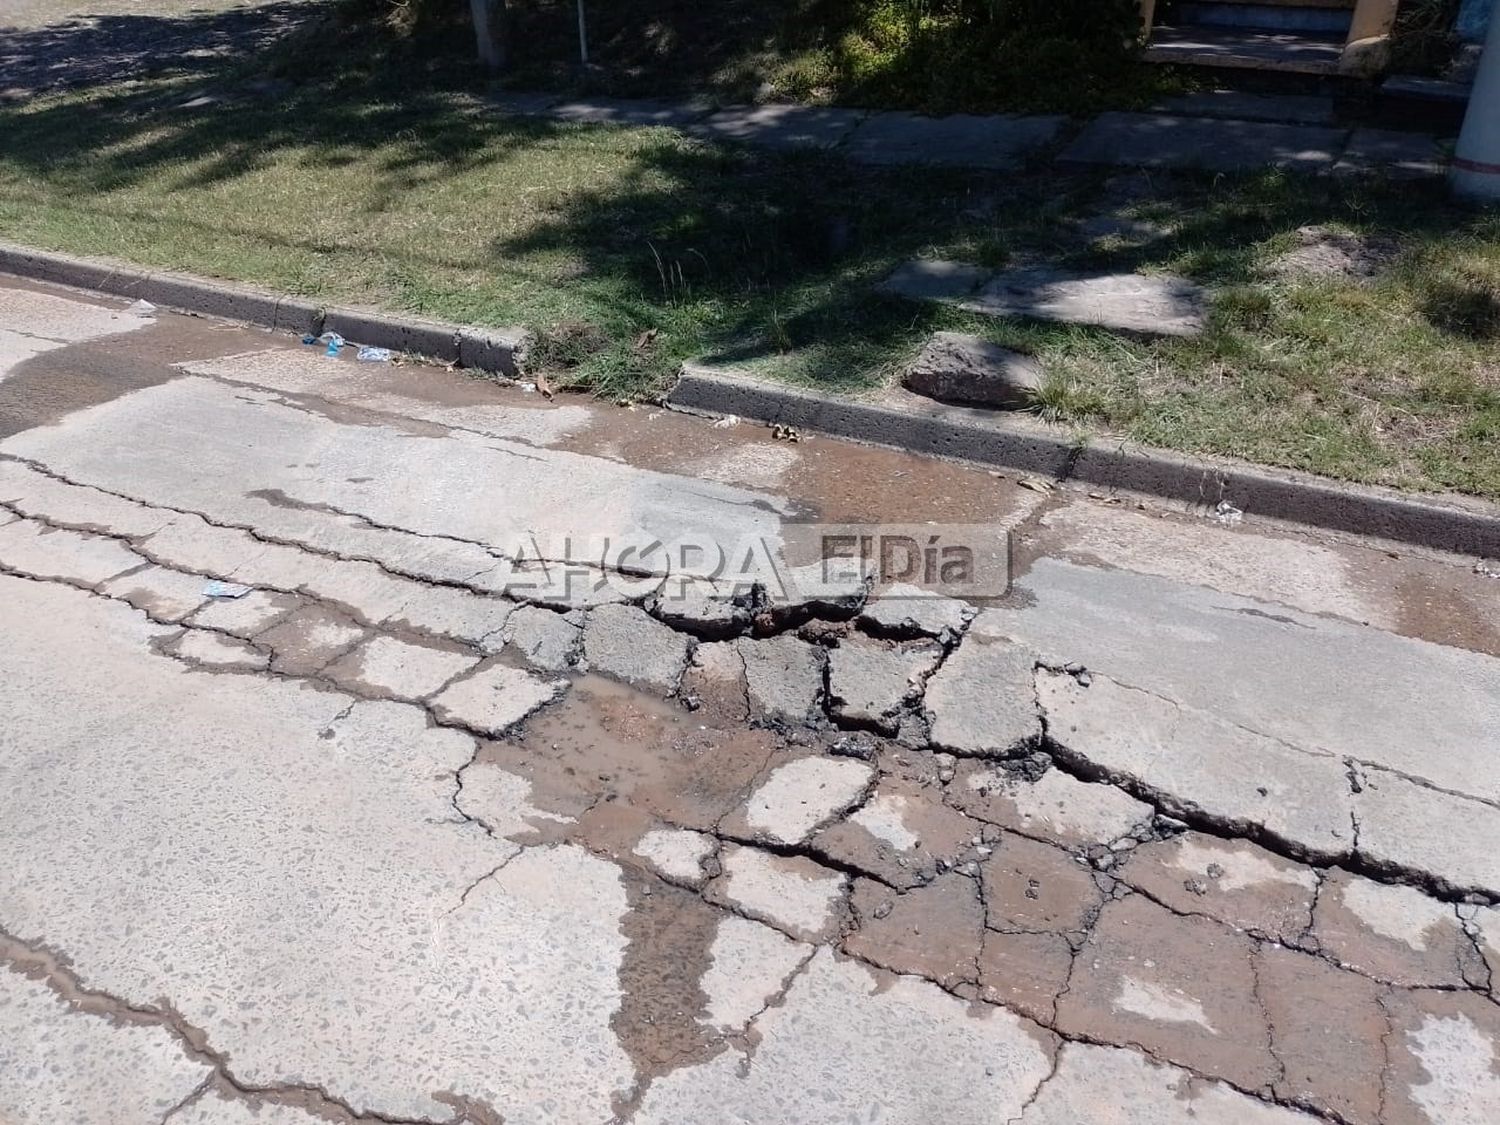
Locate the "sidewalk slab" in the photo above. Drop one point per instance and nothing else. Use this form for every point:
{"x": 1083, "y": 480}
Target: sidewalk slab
{"x": 613, "y": 111}
{"x": 1237, "y": 105}
{"x": 1397, "y": 154}
{"x": 782, "y": 126}
{"x": 1127, "y": 302}
{"x": 1158, "y": 140}
{"x": 959, "y": 141}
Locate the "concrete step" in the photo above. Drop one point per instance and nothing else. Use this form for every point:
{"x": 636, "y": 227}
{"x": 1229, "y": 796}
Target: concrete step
{"x": 1286, "y": 52}
{"x": 1326, "y": 18}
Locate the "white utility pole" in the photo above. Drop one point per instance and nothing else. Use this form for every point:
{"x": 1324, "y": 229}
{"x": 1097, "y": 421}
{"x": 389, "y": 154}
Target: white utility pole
{"x": 1476, "y": 165}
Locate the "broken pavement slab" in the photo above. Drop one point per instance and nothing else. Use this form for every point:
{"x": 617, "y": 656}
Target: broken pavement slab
{"x": 870, "y": 681}
{"x": 905, "y": 612}
{"x": 1232, "y": 881}
{"x": 495, "y": 698}
{"x": 408, "y": 671}
{"x": 626, "y": 643}
{"x": 796, "y": 895}
{"x": 931, "y": 931}
{"x": 1002, "y": 720}
{"x": 1094, "y": 1083}
{"x": 1396, "y": 819}
{"x": 1197, "y": 767}
{"x": 799, "y": 796}
{"x": 1393, "y": 933}
{"x": 1055, "y": 807}
{"x": 1181, "y": 988}
{"x": 783, "y": 675}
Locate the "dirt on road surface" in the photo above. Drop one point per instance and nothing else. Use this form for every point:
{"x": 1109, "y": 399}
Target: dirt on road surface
{"x": 316, "y": 811}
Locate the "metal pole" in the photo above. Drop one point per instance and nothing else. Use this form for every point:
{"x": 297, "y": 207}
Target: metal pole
{"x": 1476, "y": 165}
{"x": 583, "y": 37}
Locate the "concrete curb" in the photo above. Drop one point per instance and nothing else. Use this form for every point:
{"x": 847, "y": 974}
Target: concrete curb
{"x": 487, "y": 349}
{"x": 1461, "y": 526}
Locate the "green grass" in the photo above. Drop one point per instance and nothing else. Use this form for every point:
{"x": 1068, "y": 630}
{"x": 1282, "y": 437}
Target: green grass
{"x": 630, "y": 250}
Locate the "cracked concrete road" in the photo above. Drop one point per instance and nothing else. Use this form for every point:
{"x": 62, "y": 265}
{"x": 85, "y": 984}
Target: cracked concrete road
{"x": 1196, "y": 825}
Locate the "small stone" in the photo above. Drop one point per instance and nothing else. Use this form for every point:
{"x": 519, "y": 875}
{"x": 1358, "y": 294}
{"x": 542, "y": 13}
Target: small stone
{"x": 883, "y": 910}
{"x": 969, "y": 370}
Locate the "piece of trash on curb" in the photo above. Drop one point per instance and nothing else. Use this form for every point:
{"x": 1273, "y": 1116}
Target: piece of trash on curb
{"x": 529, "y": 388}
{"x": 728, "y": 420}
{"x": 368, "y": 354}
{"x": 217, "y": 589}
{"x": 142, "y": 307}
{"x": 1227, "y": 514}
{"x": 1487, "y": 568}
{"x": 1036, "y": 484}
{"x": 785, "y": 433}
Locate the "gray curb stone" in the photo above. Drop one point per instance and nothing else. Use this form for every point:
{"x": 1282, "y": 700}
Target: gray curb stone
{"x": 1463, "y": 526}
{"x": 487, "y": 349}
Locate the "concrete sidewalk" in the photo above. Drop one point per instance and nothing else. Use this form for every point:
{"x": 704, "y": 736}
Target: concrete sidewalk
{"x": 1213, "y": 132}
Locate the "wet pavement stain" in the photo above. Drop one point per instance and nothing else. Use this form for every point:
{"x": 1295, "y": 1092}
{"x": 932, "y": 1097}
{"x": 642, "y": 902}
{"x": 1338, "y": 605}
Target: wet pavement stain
{"x": 659, "y": 1021}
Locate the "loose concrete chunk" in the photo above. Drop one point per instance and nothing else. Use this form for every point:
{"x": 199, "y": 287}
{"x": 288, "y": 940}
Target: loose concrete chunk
{"x": 246, "y": 616}
{"x": 677, "y": 853}
{"x": 1198, "y": 765}
{"x": 932, "y": 931}
{"x": 39, "y": 551}
{"x": 1445, "y": 1059}
{"x": 1181, "y": 988}
{"x": 308, "y": 640}
{"x": 848, "y": 1045}
{"x": 1394, "y": 933}
{"x": 1036, "y": 887}
{"x": 783, "y": 675}
{"x": 211, "y": 650}
{"x": 1408, "y": 826}
{"x": 408, "y": 671}
{"x": 1236, "y": 882}
{"x": 1153, "y": 305}
{"x": 750, "y": 964}
{"x": 1057, "y": 807}
{"x": 160, "y": 593}
{"x": 903, "y": 611}
{"x": 789, "y": 892}
{"x": 1486, "y": 925}
{"x": 495, "y": 698}
{"x": 62, "y": 1064}
{"x": 1026, "y": 972}
{"x": 982, "y": 701}
{"x": 698, "y": 606}
{"x": 969, "y": 370}
{"x": 1327, "y": 1031}
{"x": 627, "y": 643}
{"x": 801, "y": 795}
{"x": 1124, "y": 1087}
{"x": 546, "y": 640}
{"x": 929, "y": 280}
{"x": 869, "y": 681}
